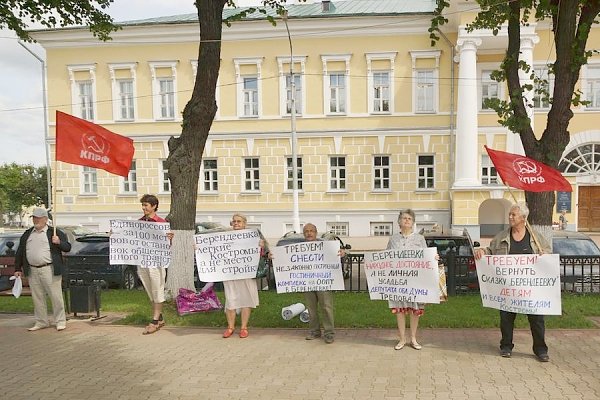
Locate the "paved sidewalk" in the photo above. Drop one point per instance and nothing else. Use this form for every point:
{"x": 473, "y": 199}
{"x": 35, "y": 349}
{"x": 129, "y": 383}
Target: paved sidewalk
{"x": 96, "y": 360}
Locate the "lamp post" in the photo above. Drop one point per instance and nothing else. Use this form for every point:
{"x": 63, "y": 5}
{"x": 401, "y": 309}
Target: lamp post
{"x": 45, "y": 105}
{"x": 296, "y": 204}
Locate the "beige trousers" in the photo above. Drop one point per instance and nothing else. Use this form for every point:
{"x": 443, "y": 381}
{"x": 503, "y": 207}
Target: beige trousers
{"x": 43, "y": 282}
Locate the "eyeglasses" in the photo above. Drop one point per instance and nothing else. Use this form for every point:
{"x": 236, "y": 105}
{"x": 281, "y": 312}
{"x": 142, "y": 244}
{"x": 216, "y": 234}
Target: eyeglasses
{"x": 237, "y": 221}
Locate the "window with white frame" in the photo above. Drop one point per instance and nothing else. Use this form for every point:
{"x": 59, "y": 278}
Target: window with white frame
{"x": 290, "y": 173}
{"x": 130, "y": 183}
{"x": 250, "y": 96}
{"x": 251, "y": 174}
{"x": 122, "y": 77}
{"x": 490, "y": 89}
{"x": 338, "y": 228}
{"x": 297, "y": 90}
{"x": 489, "y": 175}
{"x": 248, "y": 72}
{"x": 337, "y": 173}
{"x": 83, "y": 90}
{"x": 380, "y": 82}
{"x": 381, "y": 228}
{"x": 125, "y": 97}
{"x": 89, "y": 180}
{"x": 210, "y": 175}
{"x": 290, "y": 228}
{"x": 86, "y": 100}
{"x": 381, "y": 91}
{"x": 286, "y": 74}
{"x": 381, "y": 173}
{"x": 425, "y": 91}
{"x": 592, "y": 85}
{"x": 336, "y": 69}
{"x": 425, "y": 85}
{"x": 166, "y": 96}
{"x": 337, "y": 93}
{"x": 165, "y": 183}
{"x": 425, "y": 171}
{"x": 164, "y": 93}
{"x": 544, "y": 83}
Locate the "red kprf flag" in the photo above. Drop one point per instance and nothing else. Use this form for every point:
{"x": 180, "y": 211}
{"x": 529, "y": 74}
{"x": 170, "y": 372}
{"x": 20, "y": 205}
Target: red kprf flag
{"x": 526, "y": 173}
{"x": 83, "y": 143}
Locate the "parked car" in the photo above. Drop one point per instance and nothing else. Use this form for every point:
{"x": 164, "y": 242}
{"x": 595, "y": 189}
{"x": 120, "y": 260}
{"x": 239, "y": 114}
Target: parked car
{"x": 293, "y": 237}
{"x": 88, "y": 261}
{"x": 459, "y": 246}
{"x": 579, "y": 259}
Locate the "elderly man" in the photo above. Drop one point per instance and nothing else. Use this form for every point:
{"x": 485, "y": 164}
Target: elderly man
{"x": 322, "y": 300}
{"x": 519, "y": 239}
{"x": 40, "y": 256}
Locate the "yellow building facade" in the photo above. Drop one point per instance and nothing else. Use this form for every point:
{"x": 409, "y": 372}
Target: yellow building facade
{"x": 384, "y": 120}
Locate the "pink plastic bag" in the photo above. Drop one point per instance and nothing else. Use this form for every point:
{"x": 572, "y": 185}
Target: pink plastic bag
{"x": 189, "y": 301}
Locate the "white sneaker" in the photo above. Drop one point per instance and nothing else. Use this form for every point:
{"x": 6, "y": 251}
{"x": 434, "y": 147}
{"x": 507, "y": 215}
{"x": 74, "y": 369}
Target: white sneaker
{"x": 37, "y": 328}
{"x": 61, "y": 327}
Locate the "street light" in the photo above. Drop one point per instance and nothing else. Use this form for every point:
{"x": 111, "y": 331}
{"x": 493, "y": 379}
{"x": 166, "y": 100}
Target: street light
{"x": 48, "y": 180}
{"x": 296, "y": 204}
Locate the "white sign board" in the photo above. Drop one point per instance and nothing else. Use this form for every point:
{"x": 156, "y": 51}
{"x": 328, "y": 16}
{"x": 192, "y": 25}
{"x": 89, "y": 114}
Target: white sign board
{"x": 308, "y": 267}
{"x": 409, "y": 275}
{"x": 140, "y": 243}
{"x": 227, "y": 256}
{"x": 520, "y": 283}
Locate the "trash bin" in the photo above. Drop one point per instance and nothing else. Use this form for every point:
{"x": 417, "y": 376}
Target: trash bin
{"x": 85, "y": 299}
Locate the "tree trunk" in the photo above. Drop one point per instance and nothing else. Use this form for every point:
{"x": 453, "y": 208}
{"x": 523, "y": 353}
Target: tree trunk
{"x": 570, "y": 36}
{"x": 185, "y": 151}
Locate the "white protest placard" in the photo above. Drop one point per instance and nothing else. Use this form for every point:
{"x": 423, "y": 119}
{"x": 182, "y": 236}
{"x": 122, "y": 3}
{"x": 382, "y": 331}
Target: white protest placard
{"x": 521, "y": 283}
{"x": 140, "y": 243}
{"x": 227, "y": 256}
{"x": 409, "y": 275}
{"x": 308, "y": 267}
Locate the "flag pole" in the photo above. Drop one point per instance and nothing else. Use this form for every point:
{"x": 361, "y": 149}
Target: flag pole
{"x": 527, "y": 225}
{"x": 54, "y": 223}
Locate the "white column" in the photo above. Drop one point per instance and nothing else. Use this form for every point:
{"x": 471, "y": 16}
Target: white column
{"x": 467, "y": 152}
{"x": 514, "y": 144}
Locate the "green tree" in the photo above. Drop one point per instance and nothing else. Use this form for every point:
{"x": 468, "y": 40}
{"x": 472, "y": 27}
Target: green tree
{"x": 21, "y": 186}
{"x": 572, "y": 21}
{"x": 18, "y": 15}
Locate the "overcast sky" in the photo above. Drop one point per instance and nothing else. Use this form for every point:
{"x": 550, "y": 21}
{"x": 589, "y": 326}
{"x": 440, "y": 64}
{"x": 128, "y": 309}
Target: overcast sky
{"x": 21, "y": 111}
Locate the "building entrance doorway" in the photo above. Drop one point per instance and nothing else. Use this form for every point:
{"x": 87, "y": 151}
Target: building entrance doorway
{"x": 588, "y": 209}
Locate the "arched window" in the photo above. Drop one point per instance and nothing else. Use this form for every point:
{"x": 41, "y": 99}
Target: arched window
{"x": 582, "y": 160}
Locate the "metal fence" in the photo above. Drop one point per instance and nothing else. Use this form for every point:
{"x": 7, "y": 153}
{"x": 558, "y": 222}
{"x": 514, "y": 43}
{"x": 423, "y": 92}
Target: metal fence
{"x": 578, "y": 274}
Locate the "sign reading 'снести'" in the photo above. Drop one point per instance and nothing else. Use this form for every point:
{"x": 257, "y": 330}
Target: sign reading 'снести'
{"x": 521, "y": 283}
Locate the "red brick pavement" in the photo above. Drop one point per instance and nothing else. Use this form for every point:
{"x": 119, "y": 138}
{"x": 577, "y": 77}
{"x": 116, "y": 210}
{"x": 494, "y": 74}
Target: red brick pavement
{"x": 97, "y": 360}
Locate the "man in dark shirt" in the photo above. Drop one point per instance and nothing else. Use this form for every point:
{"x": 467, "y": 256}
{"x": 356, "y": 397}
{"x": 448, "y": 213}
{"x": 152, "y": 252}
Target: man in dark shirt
{"x": 519, "y": 239}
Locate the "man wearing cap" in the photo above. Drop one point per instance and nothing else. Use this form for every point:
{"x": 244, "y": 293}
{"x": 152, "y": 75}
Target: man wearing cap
{"x": 40, "y": 256}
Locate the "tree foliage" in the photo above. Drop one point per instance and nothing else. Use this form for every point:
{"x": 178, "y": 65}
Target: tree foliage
{"x": 21, "y": 186}
{"x": 19, "y": 15}
{"x": 571, "y": 22}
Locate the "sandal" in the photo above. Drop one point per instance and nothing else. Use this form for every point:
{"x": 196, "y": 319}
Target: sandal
{"x": 228, "y": 332}
{"x": 244, "y": 333}
{"x": 399, "y": 346}
{"x": 416, "y": 346}
{"x": 161, "y": 324}
{"x": 151, "y": 328}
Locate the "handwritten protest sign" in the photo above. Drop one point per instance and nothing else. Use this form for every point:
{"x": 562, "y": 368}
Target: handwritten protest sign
{"x": 308, "y": 267}
{"x": 139, "y": 243}
{"x": 520, "y": 283}
{"x": 227, "y": 256}
{"x": 409, "y": 275}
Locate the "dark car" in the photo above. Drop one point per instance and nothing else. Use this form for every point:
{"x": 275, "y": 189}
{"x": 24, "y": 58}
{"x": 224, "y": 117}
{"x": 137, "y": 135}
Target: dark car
{"x": 88, "y": 261}
{"x": 9, "y": 242}
{"x": 579, "y": 261}
{"x": 456, "y": 247}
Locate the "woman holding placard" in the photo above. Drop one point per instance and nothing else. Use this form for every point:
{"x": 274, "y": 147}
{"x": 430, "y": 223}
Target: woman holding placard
{"x": 407, "y": 238}
{"x": 241, "y": 293}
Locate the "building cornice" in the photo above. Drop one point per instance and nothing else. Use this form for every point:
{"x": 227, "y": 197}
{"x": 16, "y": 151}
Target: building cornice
{"x": 240, "y": 31}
